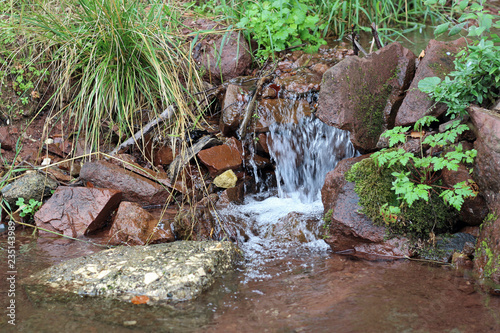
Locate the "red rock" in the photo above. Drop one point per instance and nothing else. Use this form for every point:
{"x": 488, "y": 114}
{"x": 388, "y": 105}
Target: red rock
{"x": 233, "y": 107}
{"x": 134, "y": 187}
{"x": 163, "y": 155}
{"x": 487, "y": 255}
{"x": 133, "y": 225}
{"x": 76, "y": 211}
{"x": 279, "y": 110}
{"x": 362, "y": 95}
{"x": 262, "y": 143}
{"x": 220, "y": 158}
{"x": 7, "y": 141}
{"x": 438, "y": 61}
{"x": 305, "y": 81}
{"x": 320, "y": 68}
{"x": 224, "y": 56}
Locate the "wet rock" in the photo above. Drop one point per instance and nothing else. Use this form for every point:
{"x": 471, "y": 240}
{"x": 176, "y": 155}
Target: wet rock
{"x": 134, "y": 187}
{"x": 293, "y": 227}
{"x": 32, "y": 185}
{"x": 279, "y": 110}
{"x": 164, "y": 273}
{"x": 226, "y": 179}
{"x": 438, "y": 61}
{"x": 474, "y": 209}
{"x": 303, "y": 82}
{"x": 350, "y": 229}
{"x": 233, "y": 106}
{"x": 362, "y": 95}
{"x": 446, "y": 246}
{"x": 224, "y": 56}
{"x": 487, "y": 255}
{"x": 262, "y": 143}
{"x": 220, "y": 158}
{"x": 461, "y": 262}
{"x": 335, "y": 180}
{"x": 76, "y": 211}
{"x": 258, "y": 161}
{"x": 487, "y": 163}
{"x": 133, "y": 225}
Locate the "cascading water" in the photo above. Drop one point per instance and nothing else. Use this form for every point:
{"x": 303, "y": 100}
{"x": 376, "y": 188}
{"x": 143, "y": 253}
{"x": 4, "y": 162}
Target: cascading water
{"x": 268, "y": 223}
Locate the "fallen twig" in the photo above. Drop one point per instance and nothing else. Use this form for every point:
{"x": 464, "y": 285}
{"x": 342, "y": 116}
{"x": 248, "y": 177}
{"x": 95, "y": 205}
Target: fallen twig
{"x": 165, "y": 115}
{"x": 242, "y": 131}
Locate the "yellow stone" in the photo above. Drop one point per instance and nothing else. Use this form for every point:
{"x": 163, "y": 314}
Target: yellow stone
{"x": 226, "y": 179}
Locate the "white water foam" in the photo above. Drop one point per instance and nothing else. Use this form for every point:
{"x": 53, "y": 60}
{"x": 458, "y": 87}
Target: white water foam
{"x": 272, "y": 227}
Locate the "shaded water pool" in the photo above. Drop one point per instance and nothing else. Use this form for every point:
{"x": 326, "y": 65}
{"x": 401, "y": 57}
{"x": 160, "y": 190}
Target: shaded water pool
{"x": 306, "y": 291}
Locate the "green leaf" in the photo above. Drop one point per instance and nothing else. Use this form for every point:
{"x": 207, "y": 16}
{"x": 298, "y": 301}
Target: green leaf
{"x": 441, "y": 28}
{"x": 456, "y": 29}
{"x": 428, "y": 84}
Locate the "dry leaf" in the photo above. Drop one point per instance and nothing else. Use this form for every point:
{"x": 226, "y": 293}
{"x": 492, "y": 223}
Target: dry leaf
{"x": 140, "y": 299}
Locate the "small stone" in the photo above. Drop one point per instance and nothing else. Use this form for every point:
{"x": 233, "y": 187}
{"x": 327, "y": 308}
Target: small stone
{"x": 130, "y": 323}
{"x": 226, "y": 180}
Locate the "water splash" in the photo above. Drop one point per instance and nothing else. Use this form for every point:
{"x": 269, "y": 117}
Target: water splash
{"x": 273, "y": 223}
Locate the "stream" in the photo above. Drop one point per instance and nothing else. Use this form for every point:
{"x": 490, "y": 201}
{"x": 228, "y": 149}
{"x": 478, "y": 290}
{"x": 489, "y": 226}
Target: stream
{"x": 289, "y": 280}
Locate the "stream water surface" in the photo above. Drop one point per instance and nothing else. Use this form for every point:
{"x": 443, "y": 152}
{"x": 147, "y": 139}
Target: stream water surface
{"x": 289, "y": 280}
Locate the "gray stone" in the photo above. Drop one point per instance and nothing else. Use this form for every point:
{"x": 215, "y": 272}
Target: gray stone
{"x": 169, "y": 272}
{"x": 32, "y": 185}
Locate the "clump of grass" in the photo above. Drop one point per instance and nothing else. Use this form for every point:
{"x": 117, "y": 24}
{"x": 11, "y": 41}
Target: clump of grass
{"x": 119, "y": 62}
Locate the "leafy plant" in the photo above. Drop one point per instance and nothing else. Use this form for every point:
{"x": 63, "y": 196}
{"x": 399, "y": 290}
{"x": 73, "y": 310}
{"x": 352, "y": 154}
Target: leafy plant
{"x": 29, "y": 208}
{"x": 421, "y": 173}
{"x": 476, "y": 78}
{"x": 279, "y": 24}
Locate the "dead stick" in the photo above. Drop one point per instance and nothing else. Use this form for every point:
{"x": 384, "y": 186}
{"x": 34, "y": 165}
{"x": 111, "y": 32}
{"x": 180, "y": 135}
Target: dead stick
{"x": 165, "y": 115}
{"x": 250, "y": 108}
{"x": 376, "y": 37}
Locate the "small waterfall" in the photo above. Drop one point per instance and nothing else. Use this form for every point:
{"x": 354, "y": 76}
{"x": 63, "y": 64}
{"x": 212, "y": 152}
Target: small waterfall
{"x": 304, "y": 153}
{"x": 269, "y": 225}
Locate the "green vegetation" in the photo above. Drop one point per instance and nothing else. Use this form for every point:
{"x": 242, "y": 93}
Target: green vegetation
{"x": 476, "y": 78}
{"x": 282, "y": 23}
{"x": 28, "y": 209}
{"x": 416, "y": 181}
{"x": 374, "y": 185}
{"x": 278, "y": 24}
{"x": 115, "y": 62}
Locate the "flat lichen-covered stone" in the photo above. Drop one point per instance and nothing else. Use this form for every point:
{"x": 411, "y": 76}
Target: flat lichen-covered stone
{"x": 164, "y": 273}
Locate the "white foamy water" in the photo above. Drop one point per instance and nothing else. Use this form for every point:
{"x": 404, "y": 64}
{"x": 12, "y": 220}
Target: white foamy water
{"x": 272, "y": 224}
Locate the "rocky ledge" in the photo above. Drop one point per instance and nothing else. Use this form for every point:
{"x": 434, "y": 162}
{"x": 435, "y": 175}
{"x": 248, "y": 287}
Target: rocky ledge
{"x": 159, "y": 274}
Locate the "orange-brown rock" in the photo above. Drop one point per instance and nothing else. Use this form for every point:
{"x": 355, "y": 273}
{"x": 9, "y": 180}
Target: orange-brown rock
{"x": 133, "y": 225}
{"x": 220, "y": 158}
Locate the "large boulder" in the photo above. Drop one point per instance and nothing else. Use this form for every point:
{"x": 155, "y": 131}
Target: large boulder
{"x": 76, "y": 211}
{"x": 160, "y": 273}
{"x": 134, "y": 187}
{"x": 486, "y": 125}
{"x": 224, "y": 54}
{"x": 438, "y": 61}
{"x": 349, "y": 229}
{"x": 362, "y": 95}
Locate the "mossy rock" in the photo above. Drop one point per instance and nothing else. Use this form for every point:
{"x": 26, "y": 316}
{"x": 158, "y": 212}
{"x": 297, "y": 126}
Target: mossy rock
{"x": 373, "y": 186}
